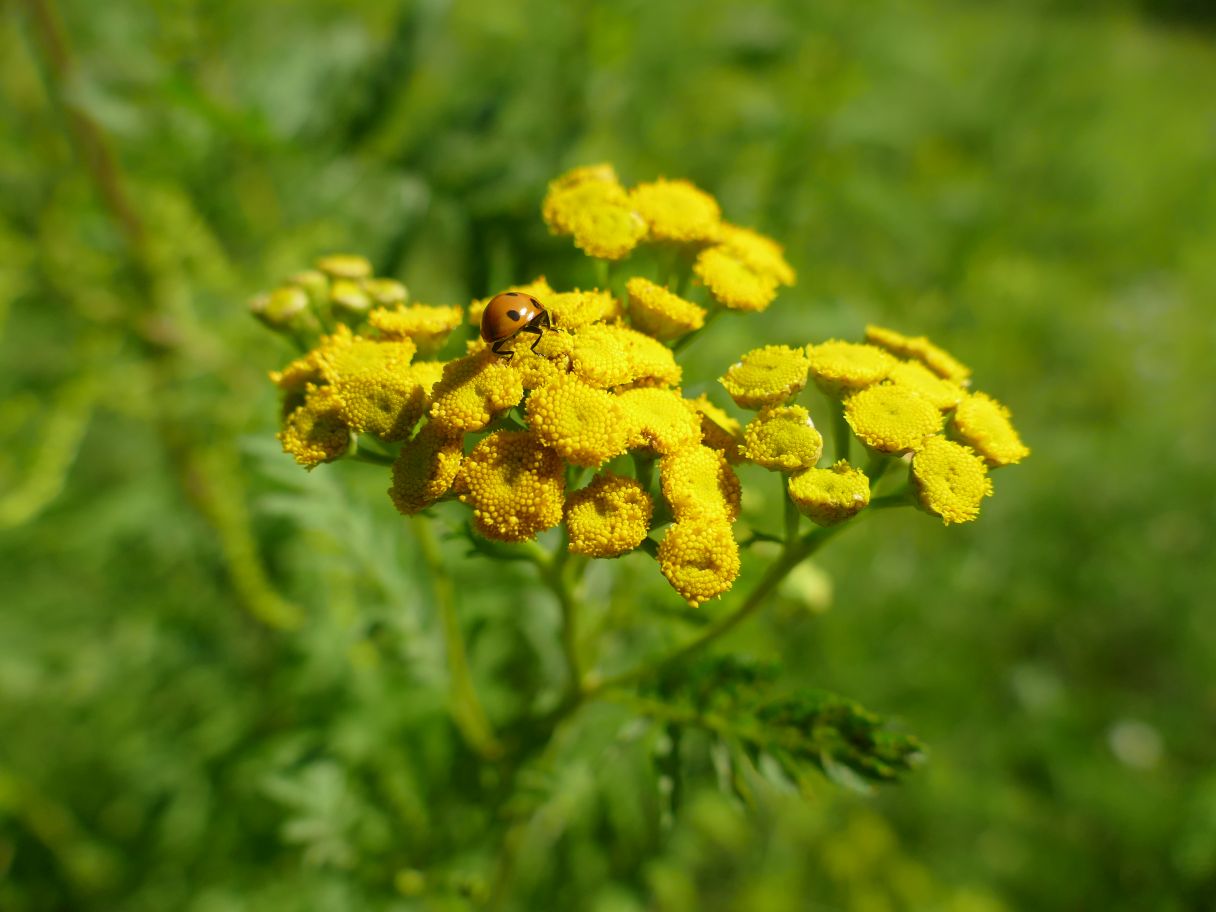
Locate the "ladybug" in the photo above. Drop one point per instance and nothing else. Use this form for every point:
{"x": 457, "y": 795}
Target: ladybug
{"x": 507, "y": 315}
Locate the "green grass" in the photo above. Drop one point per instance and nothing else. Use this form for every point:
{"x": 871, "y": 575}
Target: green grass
{"x": 1028, "y": 184}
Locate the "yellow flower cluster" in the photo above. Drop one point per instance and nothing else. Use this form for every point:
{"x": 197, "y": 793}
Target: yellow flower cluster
{"x": 515, "y": 485}
{"x": 782, "y": 438}
{"x": 829, "y": 496}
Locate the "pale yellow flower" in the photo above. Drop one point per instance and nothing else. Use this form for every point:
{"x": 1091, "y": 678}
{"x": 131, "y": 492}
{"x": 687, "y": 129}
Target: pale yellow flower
{"x": 950, "y": 480}
{"x": 840, "y": 368}
{"x": 428, "y": 327}
{"x": 782, "y": 438}
{"x": 829, "y": 496}
{"x": 732, "y": 282}
{"x": 891, "y": 419}
{"x": 758, "y": 252}
{"x": 984, "y": 424}
{"x": 944, "y": 394}
{"x": 766, "y": 376}
{"x": 938, "y": 360}
{"x": 609, "y": 355}
{"x": 676, "y": 211}
{"x": 659, "y": 419}
{"x": 660, "y": 313}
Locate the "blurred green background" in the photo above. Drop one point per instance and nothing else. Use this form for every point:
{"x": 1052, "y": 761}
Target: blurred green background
{"x": 1029, "y": 184}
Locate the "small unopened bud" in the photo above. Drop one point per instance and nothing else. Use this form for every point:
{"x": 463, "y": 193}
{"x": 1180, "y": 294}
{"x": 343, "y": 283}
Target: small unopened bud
{"x": 345, "y": 266}
{"x": 284, "y": 308}
{"x": 386, "y": 292}
{"x": 349, "y": 299}
{"x": 313, "y": 283}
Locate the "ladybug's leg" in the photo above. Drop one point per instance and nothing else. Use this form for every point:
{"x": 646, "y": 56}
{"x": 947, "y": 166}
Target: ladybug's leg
{"x": 497, "y": 348}
{"x": 542, "y": 319}
{"x": 536, "y": 341}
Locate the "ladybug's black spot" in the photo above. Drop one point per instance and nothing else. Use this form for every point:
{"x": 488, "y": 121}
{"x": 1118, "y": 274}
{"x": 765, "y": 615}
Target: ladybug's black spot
{"x": 513, "y": 315}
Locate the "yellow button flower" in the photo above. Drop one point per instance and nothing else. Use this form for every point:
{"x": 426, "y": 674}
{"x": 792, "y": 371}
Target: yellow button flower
{"x": 424, "y": 470}
{"x": 314, "y": 432}
{"x": 950, "y": 480}
{"x": 829, "y": 496}
{"x": 610, "y": 355}
{"x": 515, "y": 486}
{"x": 891, "y": 419}
{"x": 609, "y": 517}
{"x": 840, "y": 368}
{"x": 718, "y": 429}
{"x": 732, "y": 282}
{"x": 345, "y": 266}
{"x": 474, "y": 390}
{"x": 944, "y": 394}
{"x": 677, "y": 211}
{"x": 583, "y": 425}
{"x": 782, "y": 438}
{"x": 766, "y": 376}
{"x": 699, "y": 559}
{"x": 660, "y": 313}
{"x": 983, "y": 424}
{"x": 372, "y": 382}
{"x": 298, "y": 374}
{"x": 426, "y": 326}
{"x": 699, "y": 483}
{"x": 758, "y": 252}
{"x": 598, "y": 215}
{"x": 571, "y": 310}
{"x": 938, "y": 360}
{"x": 658, "y": 419}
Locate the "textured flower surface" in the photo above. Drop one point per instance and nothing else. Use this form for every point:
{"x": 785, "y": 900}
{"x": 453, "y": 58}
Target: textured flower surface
{"x": 840, "y": 368}
{"x": 582, "y": 424}
{"x": 473, "y": 391}
{"x": 676, "y": 210}
{"x": 699, "y": 484}
{"x": 950, "y": 480}
{"x": 596, "y": 211}
{"x": 426, "y": 326}
{"x": 718, "y": 429}
{"x": 660, "y": 313}
{"x": 609, "y": 517}
{"x": 760, "y": 254}
{"x": 892, "y": 419}
{"x": 732, "y": 282}
{"x": 515, "y": 485}
{"x": 424, "y": 470}
{"x": 766, "y": 376}
{"x": 830, "y": 496}
{"x": 699, "y": 558}
{"x": 945, "y": 394}
{"x": 984, "y": 424}
{"x": 782, "y": 438}
{"x": 659, "y": 419}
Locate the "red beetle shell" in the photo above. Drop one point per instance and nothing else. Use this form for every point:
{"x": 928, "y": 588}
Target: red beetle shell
{"x": 507, "y": 314}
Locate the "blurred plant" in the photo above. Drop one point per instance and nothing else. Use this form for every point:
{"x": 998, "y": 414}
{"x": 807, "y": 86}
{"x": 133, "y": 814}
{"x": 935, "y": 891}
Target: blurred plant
{"x": 568, "y": 432}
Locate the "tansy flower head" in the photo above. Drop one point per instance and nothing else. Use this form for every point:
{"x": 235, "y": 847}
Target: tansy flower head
{"x": 700, "y": 559}
{"x": 944, "y": 394}
{"x": 938, "y": 360}
{"x": 473, "y": 391}
{"x": 732, "y": 282}
{"x": 515, "y": 486}
{"x": 658, "y": 419}
{"x": 609, "y": 517}
{"x": 840, "y": 368}
{"x": 718, "y": 429}
{"x": 610, "y": 355}
{"x": 598, "y": 215}
{"x": 983, "y": 424}
{"x": 677, "y": 211}
{"x": 782, "y": 438}
{"x": 424, "y": 470}
{"x": 829, "y": 496}
{"x": 426, "y": 326}
{"x": 298, "y": 374}
{"x": 660, "y": 313}
{"x": 891, "y": 419}
{"x": 766, "y": 376}
{"x": 759, "y": 253}
{"x": 371, "y": 382}
{"x": 314, "y": 432}
{"x": 699, "y": 484}
{"x": 345, "y": 266}
{"x": 582, "y": 424}
{"x": 571, "y": 310}
{"x": 950, "y": 480}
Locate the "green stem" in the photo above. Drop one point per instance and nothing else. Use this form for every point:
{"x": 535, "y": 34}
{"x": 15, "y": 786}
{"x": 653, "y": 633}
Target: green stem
{"x": 792, "y": 516}
{"x": 643, "y": 469}
{"x": 602, "y": 274}
{"x": 842, "y": 434}
{"x": 466, "y": 708}
{"x": 793, "y": 554}
{"x": 877, "y": 466}
{"x": 687, "y": 339}
{"x": 554, "y": 574}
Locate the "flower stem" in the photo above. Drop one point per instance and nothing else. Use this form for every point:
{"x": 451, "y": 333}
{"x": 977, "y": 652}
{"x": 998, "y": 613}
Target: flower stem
{"x": 792, "y": 516}
{"x": 554, "y": 574}
{"x": 687, "y": 339}
{"x": 841, "y": 432}
{"x": 793, "y": 554}
{"x": 466, "y": 708}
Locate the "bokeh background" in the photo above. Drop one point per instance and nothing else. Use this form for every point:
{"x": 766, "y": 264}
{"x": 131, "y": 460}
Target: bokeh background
{"x": 220, "y": 677}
